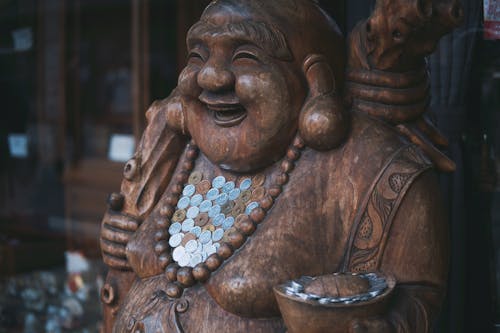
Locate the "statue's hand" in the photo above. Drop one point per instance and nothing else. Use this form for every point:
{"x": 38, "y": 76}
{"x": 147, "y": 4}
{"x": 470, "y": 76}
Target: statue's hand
{"x": 116, "y": 230}
{"x": 372, "y": 325}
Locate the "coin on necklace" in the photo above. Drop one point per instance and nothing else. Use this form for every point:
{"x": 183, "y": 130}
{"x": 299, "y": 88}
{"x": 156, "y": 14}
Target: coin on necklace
{"x": 246, "y": 196}
{"x": 192, "y": 212}
{"x": 175, "y": 240}
{"x": 258, "y": 193}
{"x": 228, "y": 187}
{"x": 174, "y": 228}
{"x": 188, "y": 190}
{"x": 201, "y": 220}
{"x": 187, "y": 225}
{"x": 218, "y": 182}
{"x": 196, "y": 200}
{"x": 203, "y": 187}
{"x": 195, "y": 178}
{"x": 258, "y": 180}
{"x": 212, "y": 194}
{"x": 183, "y": 203}
{"x": 205, "y": 206}
{"x": 245, "y": 184}
{"x": 179, "y": 215}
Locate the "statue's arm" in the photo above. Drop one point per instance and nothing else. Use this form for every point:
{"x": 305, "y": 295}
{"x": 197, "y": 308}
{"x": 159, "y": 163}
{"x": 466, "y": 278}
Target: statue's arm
{"x": 417, "y": 255}
{"x": 146, "y": 176}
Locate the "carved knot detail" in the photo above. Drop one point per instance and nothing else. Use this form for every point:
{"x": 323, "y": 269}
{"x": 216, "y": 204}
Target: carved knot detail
{"x": 397, "y": 181}
{"x": 366, "y": 228}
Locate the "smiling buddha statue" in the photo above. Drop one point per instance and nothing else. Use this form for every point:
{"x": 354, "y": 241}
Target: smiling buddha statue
{"x": 277, "y": 159}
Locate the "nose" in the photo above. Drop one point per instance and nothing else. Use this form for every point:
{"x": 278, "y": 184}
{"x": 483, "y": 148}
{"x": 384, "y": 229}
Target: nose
{"x": 216, "y": 77}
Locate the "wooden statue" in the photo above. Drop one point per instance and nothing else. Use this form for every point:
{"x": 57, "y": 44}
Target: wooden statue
{"x": 277, "y": 158}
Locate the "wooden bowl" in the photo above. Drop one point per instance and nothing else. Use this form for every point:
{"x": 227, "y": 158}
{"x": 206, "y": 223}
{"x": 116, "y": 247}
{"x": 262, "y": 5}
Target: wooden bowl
{"x": 336, "y": 300}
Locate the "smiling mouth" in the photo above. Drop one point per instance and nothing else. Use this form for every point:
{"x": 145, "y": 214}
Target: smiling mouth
{"x": 227, "y": 115}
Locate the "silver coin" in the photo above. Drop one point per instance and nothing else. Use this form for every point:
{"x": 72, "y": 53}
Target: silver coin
{"x": 222, "y": 199}
{"x": 212, "y": 194}
{"x": 206, "y": 245}
{"x": 192, "y": 212}
{"x": 217, "y": 235}
{"x": 189, "y": 190}
{"x": 196, "y": 231}
{"x": 205, "y": 206}
{"x": 200, "y": 248}
{"x": 187, "y": 225}
{"x": 228, "y": 222}
{"x": 196, "y": 199}
{"x": 218, "y": 182}
{"x": 174, "y": 228}
{"x": 210, "y": 250}
{"x": 228, "y": 187}
{"x": 195, "y": 260}
{"x": 191, "y": 246}
{"x": 175, "y": 240}
{"x": 251, "y": 206}
{"x": 234, "y": 194}
{"x": 184, "y": 260}
{"x": 205, "y": 236}
{"x": 217, "y": 245}
{"x": 245, "y": 184}
{"x": 214, "y": 211}
{"x": 183, "y": 203}
{"x": 178, "y": 253}
{"x": 218, "y": 219}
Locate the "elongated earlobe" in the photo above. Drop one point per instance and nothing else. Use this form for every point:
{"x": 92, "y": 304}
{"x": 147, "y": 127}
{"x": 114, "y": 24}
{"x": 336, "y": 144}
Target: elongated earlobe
{"x": 323, "y": 123}
{"x": 175, "y": 114}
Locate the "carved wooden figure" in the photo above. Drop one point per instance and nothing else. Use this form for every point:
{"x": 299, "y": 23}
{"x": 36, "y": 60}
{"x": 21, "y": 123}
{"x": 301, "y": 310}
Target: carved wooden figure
{"x": 263, "y": 167}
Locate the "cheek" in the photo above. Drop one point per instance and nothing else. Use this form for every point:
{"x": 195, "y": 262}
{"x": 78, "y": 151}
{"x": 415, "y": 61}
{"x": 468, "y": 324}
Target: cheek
{"x": 188, "y": 81}
{"x": 266, "y": 97}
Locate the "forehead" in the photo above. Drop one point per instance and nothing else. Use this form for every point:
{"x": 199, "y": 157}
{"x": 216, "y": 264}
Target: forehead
{"x": 227, "y": 25}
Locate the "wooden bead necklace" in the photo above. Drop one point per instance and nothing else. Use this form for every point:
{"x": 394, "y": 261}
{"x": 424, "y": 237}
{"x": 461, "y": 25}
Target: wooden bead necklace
{"x": 237, "y": 229}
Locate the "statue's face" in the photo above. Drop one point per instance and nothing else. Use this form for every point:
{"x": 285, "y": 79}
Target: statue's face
{"x": 246, "y": 91}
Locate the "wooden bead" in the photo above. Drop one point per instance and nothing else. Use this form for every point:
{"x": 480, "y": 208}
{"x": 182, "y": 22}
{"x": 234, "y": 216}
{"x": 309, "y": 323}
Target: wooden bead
{"x": 185, "y": 276}
{"x": 245, "y": 225}
{"x": 116, "y": 201}
{"x": 287, "y": 166}
{"x": 176, "y": 190}
{"x": 174, "y": 290}
{"x": 201, "y": 272}
{"x": 161, "y": 234}
{"x": 214, "y": 261}
{"x": 164, "y": 259}
{"x": 293, "y": 154}
{"x": 171, "y": 271}
{"x": 192, "y": 153}
{"x": 224, "y": 251}
{"x": 267, "y": 202}
{"x": 162, "y": 223}
{"x": 298, "y": 143}
{"x": 257, "y": 215}
{"x": 275, "y": 191}
{"x": 181, "y": 177}
{"x": 188, "y": 165}
{"x": 167, "y": 211}
{"x": 282, "y": 179}
{"x": 236, "y": 239}
{"x": 171, "y": 200}
{"x": 161, "y": 247}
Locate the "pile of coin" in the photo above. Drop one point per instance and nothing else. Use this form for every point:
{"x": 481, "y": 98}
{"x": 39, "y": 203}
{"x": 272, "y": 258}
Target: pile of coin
{"x": 296, "y": 289}
{"x": 206, "y": 214}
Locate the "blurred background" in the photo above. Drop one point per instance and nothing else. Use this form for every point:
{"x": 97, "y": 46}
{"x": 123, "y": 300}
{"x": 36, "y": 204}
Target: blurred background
{"x": 76, "y": 77}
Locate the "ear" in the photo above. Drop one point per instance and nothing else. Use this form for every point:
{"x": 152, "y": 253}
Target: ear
{"x": 323, "y": 123}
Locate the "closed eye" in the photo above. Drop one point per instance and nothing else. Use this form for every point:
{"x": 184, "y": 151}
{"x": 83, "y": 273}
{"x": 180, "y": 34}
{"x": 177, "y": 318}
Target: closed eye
{"x": 245, "y": 55}
{"x": 195, "y": 56}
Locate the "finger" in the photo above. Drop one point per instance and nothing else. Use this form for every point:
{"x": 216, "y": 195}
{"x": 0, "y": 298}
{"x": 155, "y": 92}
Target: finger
{"x": 428, "y": 128}
{"x": 114, "y": 249}
{"x": 116, "y": 263}
{"x": 442, "y": 162}
{"x": 122, "y": 222}
{"x": 116, "y": 236}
